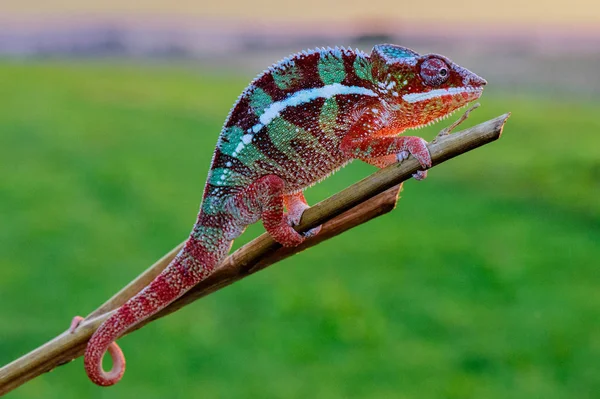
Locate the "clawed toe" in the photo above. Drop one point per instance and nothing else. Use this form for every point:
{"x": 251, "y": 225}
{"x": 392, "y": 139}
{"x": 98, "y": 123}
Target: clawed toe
{"x": 312, "y": 232}
{"x": 295, "y": 221}
{"x": 296, "y": 206}
{"x": 294, "y": 218}
{"x": 402, "y": 155}
{"x": 420, "y": 175}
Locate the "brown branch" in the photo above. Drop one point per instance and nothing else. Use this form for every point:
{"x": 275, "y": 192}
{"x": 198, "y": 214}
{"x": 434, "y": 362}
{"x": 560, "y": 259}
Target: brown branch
{"x": 363, "y": 201}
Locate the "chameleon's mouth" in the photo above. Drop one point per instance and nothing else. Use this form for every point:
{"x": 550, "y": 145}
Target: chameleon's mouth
{"x": 470, "y": 92}
{"x": 472, "y": 95}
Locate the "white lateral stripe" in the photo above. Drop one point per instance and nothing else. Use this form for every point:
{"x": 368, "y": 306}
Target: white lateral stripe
{"x": 305, "y": 96}
{"x": 416, "y": 97}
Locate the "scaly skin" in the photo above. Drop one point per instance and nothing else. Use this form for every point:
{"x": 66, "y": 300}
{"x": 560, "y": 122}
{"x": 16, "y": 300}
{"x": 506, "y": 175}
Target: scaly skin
{"x": 298, "y": 122}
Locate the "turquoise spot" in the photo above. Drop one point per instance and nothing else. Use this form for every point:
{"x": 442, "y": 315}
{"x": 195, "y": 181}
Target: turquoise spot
{"x": 212, "y": 205}
{"x": 218, "y": 176}
{"x": 224, "y": 177}
{"x": 230, "y": 138}
{"x": 396, "y": 51}
{"x": 210, "y": 236}
{"x": 230, "y": 144}
{"x": 259, "y": 101}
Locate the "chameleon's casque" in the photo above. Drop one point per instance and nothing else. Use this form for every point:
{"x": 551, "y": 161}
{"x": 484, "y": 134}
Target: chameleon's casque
{"x": 295, "y": 124}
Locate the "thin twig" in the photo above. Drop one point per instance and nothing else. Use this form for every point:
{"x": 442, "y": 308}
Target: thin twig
{"x": 447, "y": 130}
{"x": 365, "y": 200}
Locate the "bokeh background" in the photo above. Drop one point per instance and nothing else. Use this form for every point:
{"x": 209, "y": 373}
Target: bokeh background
{"x": 483, "y": 283}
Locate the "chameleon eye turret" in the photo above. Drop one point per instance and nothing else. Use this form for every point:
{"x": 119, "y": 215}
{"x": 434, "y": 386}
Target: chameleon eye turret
{"x": 434, "y": 72}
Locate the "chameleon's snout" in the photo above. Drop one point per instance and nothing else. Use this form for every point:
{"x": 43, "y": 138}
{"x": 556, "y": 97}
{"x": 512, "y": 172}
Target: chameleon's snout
{"x": 478, "y": 81}
{"x": 474, "y": 80}
{"x": 469, "y": 79}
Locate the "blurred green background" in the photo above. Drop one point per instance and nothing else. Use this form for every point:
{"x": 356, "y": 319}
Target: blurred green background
{"x": 483, "y": 283}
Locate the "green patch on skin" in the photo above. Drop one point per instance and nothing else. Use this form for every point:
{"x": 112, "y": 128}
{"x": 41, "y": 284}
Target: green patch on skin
{"x": 210, "y": 236}
{"x": 224, "y": 177}
{"x": 249, "y": 155}
{"x": 287, "y": 78}
{"x": 331, "y": 69}
{"x": 231, "y": 138}
{"x": 363, "y": 69}
{"x": 329, "y": 121}
{"x": 215, "y": 176}
{"x": 282, "y": 133}
{"x": 328, "y": 115}
{"x": 402, "y": 79}
{"x": 212, "y": 205}
{"x": 259, "y": 101}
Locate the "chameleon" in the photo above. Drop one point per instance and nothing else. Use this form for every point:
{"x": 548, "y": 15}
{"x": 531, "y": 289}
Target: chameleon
{"x": 297, "y": 122}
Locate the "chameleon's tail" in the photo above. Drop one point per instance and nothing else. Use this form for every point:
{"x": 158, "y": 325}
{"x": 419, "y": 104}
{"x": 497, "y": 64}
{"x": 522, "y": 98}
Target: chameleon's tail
{"x": 203, "y": 251}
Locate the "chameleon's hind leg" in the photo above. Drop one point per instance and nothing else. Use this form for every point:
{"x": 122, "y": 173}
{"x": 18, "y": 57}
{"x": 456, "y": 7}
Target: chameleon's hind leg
{"x": 296, "y": 205}
{"x": 264, "y": 199}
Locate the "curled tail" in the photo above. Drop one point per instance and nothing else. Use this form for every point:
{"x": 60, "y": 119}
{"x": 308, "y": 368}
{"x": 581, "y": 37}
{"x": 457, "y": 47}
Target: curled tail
{"x": 203, "y": 251}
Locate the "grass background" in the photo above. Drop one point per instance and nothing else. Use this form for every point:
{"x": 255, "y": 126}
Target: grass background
{"x": 484, "y": 282}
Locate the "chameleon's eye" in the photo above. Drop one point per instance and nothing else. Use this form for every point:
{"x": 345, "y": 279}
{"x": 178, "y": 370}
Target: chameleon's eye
{"x": 434, "y": 72}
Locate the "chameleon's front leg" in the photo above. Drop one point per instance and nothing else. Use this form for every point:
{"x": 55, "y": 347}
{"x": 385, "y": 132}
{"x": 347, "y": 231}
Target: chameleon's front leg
{"x": 371, "y": 140}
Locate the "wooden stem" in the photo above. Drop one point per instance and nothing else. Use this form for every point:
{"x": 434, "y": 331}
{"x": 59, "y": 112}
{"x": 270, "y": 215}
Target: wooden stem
{"x": 357, "y": 204}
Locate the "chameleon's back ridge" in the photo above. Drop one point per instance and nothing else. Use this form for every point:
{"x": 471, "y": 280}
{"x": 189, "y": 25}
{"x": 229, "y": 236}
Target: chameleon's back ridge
{"x": 295, "y": 124}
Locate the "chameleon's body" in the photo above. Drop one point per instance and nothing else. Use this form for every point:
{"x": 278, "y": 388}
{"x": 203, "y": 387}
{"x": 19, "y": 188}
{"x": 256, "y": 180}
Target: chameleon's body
{"x": 298, "y": 122}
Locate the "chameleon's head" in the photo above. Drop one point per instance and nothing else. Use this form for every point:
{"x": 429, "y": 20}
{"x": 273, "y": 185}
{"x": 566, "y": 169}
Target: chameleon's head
{"x": 425, "y": 88}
